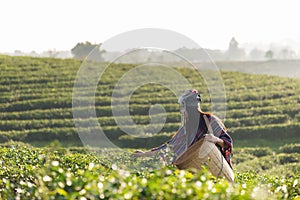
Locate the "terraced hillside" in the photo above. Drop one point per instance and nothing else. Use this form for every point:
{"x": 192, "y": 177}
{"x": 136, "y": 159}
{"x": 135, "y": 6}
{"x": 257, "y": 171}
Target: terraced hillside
{"x": 36, "y": 103}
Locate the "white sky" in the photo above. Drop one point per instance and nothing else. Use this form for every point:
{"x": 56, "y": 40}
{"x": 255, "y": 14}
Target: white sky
{"x": 41, "y": 25}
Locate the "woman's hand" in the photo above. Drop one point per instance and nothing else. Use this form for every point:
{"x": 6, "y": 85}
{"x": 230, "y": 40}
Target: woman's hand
{"x": 139, "y": 153}
{"x": 214, "y": 139}
{"x": 210, "y": 136}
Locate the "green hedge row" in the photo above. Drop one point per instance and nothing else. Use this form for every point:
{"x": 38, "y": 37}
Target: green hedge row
{"x": 6, "y": 125}
{"x": 71, "y": 133}
{"x": 290, "y": 110}
{"x": 270, "y": 132}
{"x": 49, "y": 103}
{"x": 290, "y": 148}
{"x": 259, "y": 120}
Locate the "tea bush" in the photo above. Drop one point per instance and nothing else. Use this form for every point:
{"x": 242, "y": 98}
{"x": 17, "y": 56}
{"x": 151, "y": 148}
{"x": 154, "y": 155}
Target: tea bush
{"x": 60, "y": 173}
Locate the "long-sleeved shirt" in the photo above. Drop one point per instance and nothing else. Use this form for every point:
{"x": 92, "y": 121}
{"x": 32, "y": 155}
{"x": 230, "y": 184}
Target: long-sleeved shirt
{"x": 178, "y": 142}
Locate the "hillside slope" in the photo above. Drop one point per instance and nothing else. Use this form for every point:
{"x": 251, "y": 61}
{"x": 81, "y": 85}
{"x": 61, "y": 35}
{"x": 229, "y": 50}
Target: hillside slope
{"x": 36, "y": 103}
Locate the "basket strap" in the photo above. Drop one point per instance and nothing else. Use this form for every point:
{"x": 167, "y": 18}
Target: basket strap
{"x": 221, "y": 165}
{"x": 208, "y": 126}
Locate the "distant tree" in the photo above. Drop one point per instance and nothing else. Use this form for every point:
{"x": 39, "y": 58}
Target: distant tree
{"x": 269, "y": 54}
{"x": 198, "y": 54}
{"x": 52, "y": 53}
{"x": 33, "y": 54}
{"x": 18, "y": 53}
{"x": 234, "y": 52}
{"x": 256, "y": 54}
{"x": 233, "y": 45}
{"x": 286, "y": 53}
{"x": 82, "y": 50}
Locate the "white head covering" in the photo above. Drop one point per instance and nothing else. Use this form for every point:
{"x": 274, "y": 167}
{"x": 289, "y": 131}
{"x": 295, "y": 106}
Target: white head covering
{"x": 190, "y": 116}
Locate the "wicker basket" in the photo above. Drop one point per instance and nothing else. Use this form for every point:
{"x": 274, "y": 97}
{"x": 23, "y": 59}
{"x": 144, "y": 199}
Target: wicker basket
{"x": 205, "y": 153}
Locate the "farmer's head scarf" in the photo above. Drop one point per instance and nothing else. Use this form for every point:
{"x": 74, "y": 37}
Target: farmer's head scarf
{"x": 190, "y": 116}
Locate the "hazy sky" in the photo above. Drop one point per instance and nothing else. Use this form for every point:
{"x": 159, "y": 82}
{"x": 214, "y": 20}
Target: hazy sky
{"x": 47, "y": 24}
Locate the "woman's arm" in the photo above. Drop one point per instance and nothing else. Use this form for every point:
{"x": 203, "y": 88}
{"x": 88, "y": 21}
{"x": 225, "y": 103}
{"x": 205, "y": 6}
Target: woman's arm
{"x": 139, "y": 153}
{"x": 214, "y": 139}
{"x": 223, "y": 139}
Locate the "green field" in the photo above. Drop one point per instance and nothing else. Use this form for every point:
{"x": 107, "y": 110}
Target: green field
{"x": 36, "y": 103}
{"x": 36, "y": 108}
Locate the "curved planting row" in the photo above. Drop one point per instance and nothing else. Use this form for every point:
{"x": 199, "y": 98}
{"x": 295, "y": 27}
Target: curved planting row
{"x": 9, "y": 125}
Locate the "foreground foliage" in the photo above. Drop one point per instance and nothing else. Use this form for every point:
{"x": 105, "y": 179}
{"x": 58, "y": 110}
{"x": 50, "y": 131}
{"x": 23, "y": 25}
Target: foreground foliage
{"x": 59, "y": 173}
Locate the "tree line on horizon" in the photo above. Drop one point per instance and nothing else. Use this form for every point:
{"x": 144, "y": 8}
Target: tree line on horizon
{"x": 233, "y": 53}
{"x": 94, "y": 52}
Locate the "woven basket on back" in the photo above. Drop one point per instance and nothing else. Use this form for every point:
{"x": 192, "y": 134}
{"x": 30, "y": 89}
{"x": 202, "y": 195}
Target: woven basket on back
{"x": 205, "y": 153}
